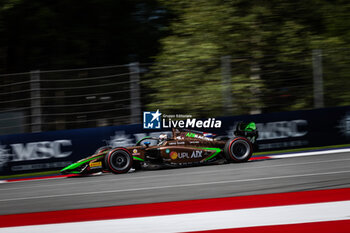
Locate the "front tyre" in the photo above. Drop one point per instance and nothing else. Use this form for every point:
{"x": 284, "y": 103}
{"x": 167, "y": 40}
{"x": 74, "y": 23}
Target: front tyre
{"x": 238, "y": 150}
{"x": 119, "y": 161}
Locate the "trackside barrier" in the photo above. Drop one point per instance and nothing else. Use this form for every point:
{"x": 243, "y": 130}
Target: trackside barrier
{"x": 33, "y": 152}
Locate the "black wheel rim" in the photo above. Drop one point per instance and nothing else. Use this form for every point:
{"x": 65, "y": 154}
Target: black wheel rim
{"x": 120, "y": 160}
{"x": 240, "y": 149}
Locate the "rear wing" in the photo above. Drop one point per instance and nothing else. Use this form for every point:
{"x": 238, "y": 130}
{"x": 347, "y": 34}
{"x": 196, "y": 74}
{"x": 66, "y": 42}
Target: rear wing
{"x": 247, "y": 130}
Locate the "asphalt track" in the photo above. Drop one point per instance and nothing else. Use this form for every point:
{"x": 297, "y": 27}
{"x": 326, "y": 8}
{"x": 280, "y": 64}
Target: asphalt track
{"x": 327, "y": 171}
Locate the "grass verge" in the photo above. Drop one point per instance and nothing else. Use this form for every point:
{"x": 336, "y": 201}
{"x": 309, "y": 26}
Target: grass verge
{"x": 30, "y": 174}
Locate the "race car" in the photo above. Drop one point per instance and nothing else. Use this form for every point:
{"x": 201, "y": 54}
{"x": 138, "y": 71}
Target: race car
{"x": 183, "y": 147}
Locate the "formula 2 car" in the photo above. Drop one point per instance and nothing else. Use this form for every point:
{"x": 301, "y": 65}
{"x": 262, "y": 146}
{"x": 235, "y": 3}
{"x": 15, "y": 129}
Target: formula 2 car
{"x": 183, "y": 147}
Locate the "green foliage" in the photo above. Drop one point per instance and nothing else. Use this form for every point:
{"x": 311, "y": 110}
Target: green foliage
{"x": 270, "y": 43}
{"x": 187, "y": 71}
{"x": 276, "y": 37}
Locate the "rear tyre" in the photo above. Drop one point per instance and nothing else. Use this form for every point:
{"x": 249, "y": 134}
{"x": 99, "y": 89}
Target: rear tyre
{"x": 119, "y": 161}
{"x": 238, "y": 150}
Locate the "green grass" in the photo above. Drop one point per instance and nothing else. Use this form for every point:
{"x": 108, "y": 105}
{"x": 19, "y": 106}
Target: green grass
{"x": 259, "y": 153}
{"x": 30, "y": 174}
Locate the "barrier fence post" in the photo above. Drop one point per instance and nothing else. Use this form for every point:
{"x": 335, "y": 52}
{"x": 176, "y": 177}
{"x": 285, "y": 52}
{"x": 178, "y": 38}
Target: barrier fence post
{"x": 226, "y": 85}
{"x": 254, "y": 78}
{"x": 318, "y": 78}
{"x": 35, "y": 101}
{"x": 135, "y": 106}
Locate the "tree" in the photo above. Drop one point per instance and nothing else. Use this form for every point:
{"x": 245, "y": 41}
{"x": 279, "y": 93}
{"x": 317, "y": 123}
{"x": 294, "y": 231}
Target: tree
{"x": 273, "y": 37}
{"x": 187, "y": 71}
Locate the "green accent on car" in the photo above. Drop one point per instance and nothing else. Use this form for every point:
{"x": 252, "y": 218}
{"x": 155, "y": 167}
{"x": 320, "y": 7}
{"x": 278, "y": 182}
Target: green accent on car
{"x": 191, "y": 135}
{"x": 250, "y": 126}
{"x": 78, "y": 164}
{"x": 217, "y": 151}
{"x": 137, "y": 158}
{"x": 142, "y": 139}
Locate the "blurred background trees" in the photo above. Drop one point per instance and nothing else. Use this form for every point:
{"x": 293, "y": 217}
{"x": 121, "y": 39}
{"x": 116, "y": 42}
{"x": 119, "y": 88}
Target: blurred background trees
{"x": 47, "y": 34}
{"x": 270, "y": 40}
{"x": 187, "y": 48}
